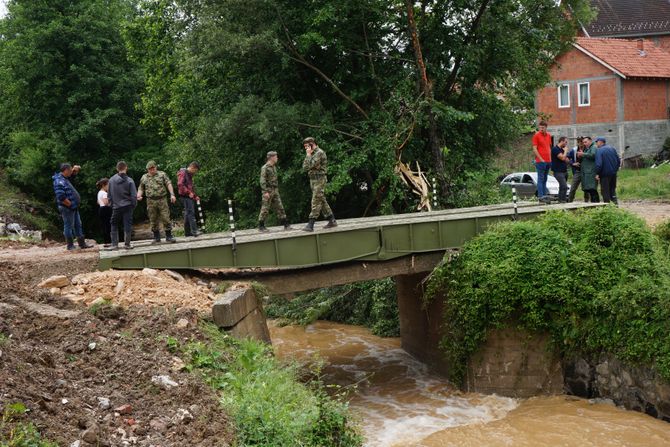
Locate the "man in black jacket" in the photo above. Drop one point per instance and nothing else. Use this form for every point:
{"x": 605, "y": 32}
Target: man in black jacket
{"x": 122, "y": 196}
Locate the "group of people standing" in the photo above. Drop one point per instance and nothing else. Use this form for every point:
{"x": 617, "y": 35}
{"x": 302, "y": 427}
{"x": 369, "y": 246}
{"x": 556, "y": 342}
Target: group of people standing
{"x": 118, "y": 196}
{"x": 591, "y": 162}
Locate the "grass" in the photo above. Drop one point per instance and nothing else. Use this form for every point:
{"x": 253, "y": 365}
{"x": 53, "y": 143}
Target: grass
{"x": 16, "y": 206}
{"x": 269, "y": 403}
{"x": 644, "y": 184}
{"x": 17, "y": 433}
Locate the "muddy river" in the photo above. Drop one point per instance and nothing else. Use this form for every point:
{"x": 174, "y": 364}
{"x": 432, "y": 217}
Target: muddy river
{"x": 401, "y": 403}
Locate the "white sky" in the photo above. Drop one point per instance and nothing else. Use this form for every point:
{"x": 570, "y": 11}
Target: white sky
{"x": 3, "y": 8}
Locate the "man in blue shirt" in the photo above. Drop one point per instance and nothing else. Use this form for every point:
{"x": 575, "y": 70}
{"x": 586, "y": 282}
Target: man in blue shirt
{"x": 560, "y": 168}
{"x": 68, "y": 201}
{"x": 608, "y": 163}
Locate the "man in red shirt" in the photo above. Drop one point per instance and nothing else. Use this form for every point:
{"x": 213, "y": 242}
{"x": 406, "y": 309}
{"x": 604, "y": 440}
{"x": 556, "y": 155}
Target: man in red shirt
{"x": 542, "y": 152}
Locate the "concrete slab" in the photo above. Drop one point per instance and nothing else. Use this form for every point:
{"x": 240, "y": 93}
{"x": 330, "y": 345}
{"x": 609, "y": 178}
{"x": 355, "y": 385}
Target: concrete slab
{"x": 231, "y": 307}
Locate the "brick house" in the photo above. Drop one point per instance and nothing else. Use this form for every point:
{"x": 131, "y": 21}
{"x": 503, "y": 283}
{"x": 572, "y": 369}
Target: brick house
{"x": 615, "y": 87}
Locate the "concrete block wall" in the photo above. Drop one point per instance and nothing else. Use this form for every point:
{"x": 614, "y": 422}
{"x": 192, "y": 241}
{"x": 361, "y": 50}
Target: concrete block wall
{"x": 643, "y": 137}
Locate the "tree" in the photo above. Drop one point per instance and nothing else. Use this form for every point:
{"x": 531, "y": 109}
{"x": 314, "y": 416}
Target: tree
{"x": 67, "y": 91}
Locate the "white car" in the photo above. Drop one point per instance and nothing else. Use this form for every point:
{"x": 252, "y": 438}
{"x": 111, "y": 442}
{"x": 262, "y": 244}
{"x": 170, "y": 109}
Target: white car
{"x": 526, "y": 184}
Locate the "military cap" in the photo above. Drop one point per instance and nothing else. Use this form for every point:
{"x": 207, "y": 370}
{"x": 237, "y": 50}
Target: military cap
{"x": 151, "y": 164}
{"x": 309, "y": 140}
{"x": 271, "y": 154}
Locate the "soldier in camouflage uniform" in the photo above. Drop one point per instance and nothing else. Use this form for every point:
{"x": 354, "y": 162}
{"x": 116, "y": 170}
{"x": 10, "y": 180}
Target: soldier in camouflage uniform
{"x": 316, "y": 164}
{"x": 271, "y": 198}
{"x": 156, "y": 185}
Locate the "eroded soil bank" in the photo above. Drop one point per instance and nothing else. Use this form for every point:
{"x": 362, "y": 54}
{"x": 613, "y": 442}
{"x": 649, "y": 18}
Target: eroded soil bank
{"x": 98, "y": 376}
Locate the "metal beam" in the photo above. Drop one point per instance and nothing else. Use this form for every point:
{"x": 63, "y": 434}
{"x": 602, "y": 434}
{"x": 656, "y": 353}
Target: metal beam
{"x": 282, "y": 282}
{"x": 366, "y": 239}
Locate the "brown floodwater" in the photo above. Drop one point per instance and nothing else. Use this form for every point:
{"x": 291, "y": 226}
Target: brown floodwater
{"x": 401, "y": 403}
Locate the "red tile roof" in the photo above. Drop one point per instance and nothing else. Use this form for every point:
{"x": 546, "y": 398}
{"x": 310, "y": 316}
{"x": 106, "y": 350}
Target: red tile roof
{"x": 625, "y": 58}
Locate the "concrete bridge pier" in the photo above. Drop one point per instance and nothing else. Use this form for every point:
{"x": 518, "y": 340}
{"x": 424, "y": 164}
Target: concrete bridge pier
{"x": 420, "y": 325}
{"x": 511, "y": 363}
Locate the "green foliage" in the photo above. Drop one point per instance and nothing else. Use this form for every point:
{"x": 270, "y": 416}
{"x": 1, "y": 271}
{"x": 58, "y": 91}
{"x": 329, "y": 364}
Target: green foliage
{"x": 369, "y": 303}
{"x": 268, "y": 403}
{"x": 16, "y": 433}
{"x": 21, "y": 208}
{"x": 597, "y": 281}
{"x": 646, "y": 183}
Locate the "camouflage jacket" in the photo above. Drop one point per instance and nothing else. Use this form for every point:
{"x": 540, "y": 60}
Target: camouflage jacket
{"x": 155, "y": 186}
{"x": 316, "y": 164}
{"x": 269, "y": 177}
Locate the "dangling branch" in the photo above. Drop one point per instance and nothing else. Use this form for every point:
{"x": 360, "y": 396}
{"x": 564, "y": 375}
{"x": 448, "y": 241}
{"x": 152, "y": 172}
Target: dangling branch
{"x": 296, "y": 56}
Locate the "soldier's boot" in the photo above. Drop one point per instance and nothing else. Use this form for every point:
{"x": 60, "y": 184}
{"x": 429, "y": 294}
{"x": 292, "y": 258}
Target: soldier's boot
{"x": 115, "y": 241}
{"x": 261, "y": 227}
{"x": 287, "y": 226}
{"x": 126, "y": 244}
{"x": 82, "y": 243}
{"x": 157, "y": 237}
{"x": 70, "y": 243}
{"x": 332, "y": 223}
{"x": 310, "y": 225}
{"x": 169, "y": 237}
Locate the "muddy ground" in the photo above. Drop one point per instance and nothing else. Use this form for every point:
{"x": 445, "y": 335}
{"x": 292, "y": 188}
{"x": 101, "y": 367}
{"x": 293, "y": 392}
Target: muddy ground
{"x": 87, "y": 379}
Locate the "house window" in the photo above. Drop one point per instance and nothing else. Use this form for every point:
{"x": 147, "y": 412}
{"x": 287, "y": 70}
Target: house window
{"x": 563, "y": 96}
{"x": 584, "y": 94}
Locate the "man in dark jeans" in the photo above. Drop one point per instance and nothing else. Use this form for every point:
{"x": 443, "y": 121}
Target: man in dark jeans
{"x": 122, "y": 196}
{"x": 608, "y": 163}
{"x": 573, "y": 160}
{"x": 68, "y": 201}
{"x": 188, "y": 197}
{"x": 560, "y": 168}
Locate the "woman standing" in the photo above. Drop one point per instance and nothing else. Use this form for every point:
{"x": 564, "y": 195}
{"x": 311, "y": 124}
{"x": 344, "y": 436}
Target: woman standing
{"x": 105, "y": 211}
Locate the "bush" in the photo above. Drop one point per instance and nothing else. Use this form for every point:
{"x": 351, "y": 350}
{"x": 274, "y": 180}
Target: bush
{"x": 372, "y": 304}
{"x": 269, "y": 405}
{"x": 596, "y": 281}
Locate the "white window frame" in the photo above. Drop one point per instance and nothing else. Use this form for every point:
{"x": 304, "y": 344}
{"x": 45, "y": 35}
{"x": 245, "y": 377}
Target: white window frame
{"x": 579, "y": 94}
{"x": 566, "y": 106}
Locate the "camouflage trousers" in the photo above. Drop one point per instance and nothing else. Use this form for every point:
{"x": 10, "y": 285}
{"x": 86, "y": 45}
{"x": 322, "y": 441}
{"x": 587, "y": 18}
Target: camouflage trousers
{"x": 272, "y": 202}
{"x": 159, "y": 212}
{"x": 319, "y": 203}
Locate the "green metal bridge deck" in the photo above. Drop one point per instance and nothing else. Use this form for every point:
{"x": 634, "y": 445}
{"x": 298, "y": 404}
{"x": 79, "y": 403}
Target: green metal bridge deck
{"x": 364, "y": 239}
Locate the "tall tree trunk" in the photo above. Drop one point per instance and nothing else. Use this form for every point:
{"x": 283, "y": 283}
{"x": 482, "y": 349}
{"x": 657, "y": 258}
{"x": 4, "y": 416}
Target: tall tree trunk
{"x": 434, "y": 140}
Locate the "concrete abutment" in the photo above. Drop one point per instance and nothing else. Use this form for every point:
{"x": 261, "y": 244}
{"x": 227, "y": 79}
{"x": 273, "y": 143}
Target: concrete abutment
{"x": 511, "y": 363}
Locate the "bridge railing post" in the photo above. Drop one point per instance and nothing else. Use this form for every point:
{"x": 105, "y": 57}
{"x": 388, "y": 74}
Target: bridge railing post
{"x": 514, "y": 200}
{"x": 232, "y": 223}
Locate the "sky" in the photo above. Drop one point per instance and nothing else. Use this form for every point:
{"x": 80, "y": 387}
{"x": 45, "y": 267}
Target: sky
{"x": 3, "y": 8}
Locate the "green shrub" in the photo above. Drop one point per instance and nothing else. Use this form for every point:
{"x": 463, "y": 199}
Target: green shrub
{"x": 368, "y": 303}
{"x": 597, "y": 281}
{"x": 269, "y": 405}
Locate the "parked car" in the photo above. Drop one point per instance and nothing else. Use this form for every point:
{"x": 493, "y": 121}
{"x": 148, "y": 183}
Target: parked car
{"x": 526, "y": 184}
